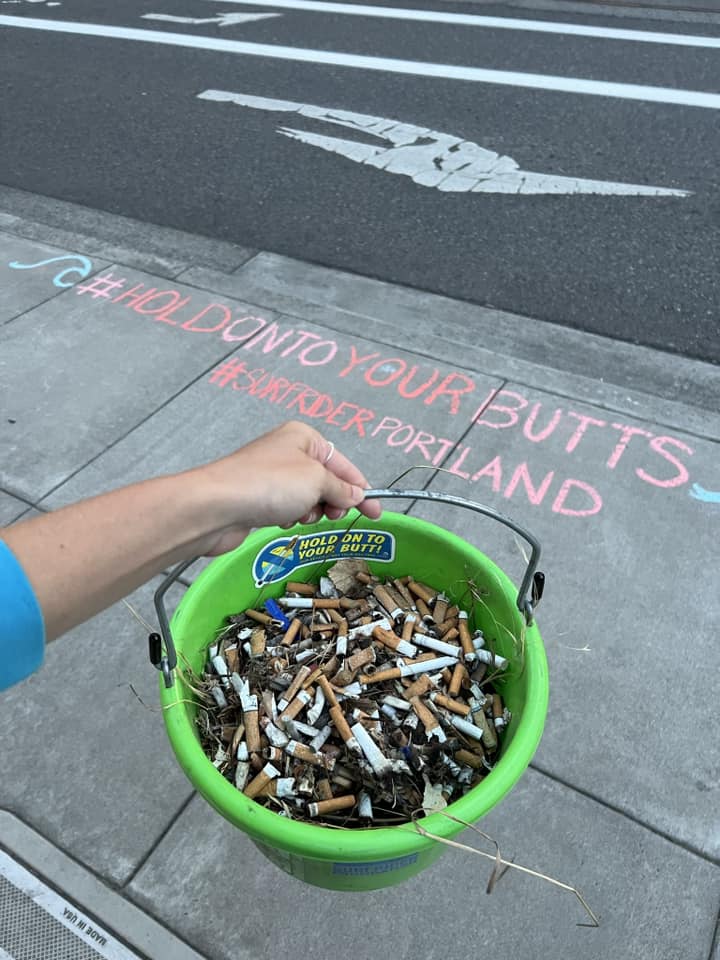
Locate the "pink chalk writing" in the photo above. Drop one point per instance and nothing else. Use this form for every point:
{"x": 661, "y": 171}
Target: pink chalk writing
{"x": 592, "y": 443}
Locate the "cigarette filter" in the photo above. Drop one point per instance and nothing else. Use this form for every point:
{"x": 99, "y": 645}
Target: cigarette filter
{"x": 331, "y": 806}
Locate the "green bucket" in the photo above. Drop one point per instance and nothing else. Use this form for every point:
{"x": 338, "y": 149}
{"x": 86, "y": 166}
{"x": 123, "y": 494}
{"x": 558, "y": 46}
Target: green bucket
{"x": 394, "y": 545}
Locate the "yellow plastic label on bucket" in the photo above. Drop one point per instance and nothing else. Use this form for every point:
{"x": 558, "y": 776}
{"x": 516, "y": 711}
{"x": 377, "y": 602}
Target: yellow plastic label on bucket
{"x": 279, "y": 558}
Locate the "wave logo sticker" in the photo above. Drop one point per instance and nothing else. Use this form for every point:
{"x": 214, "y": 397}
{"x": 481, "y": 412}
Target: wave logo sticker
{"x": 280, "y": 557}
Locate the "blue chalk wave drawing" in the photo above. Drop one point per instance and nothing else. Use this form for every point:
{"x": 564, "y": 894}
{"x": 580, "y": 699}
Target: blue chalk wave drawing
{"x": 706, "y": 496}
{"x": 83, "y": 270}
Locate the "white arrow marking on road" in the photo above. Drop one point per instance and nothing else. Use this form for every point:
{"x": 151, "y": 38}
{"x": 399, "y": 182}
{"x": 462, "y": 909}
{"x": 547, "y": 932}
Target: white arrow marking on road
{"x": 429, "y": 157}
{"x": 223, "y": 19}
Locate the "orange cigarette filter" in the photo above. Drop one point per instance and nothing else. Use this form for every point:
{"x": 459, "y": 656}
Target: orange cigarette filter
{"x": 469, "y": 759}
{"x": 452, "y": 634}
{"x": 421, "y": 590}
{"x": 232, "y": 658}
{"x": 300, "y": 677}
{"x": 324, "y": 789}
{"x": 341, "y": 724}
{"x": 456, "y": 706}
{"x": 324, "y": 684}
{"x": 381, "y": 676}
{"x": 258, "y": 617}
{"x": 383, "y": 597}
{"x": 304, "y": 589}
{"x": 465, "y": 638}
{"x": 424, "y": 714}
{"x": 361, "y": 659}
{"x": 422, "y": 608}
{"x": 291, "y": 632}
{"x": 458, "y": 675}
{"x": 387, "y": 637}
{"x": 409, "y": 627}
{"x": 297, "y": 706}
{"x": 331, "y": 806}
{"x": 315, "y": 675}
{"x": 267, "y": 774}
{"x": 257, "y": 641}
{"x": 440, "y": 609}
{"x": 252, "y": 730}
{"x": 419, "y": 687}
{"x": 322, "y": 603}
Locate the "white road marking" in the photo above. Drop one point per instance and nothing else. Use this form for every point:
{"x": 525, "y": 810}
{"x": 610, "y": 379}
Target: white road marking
{"x": 223, "y": 19}
{"x": 536, "y": 81}
{"x": 430, "y": 158}
{"x": 496, "y": 23}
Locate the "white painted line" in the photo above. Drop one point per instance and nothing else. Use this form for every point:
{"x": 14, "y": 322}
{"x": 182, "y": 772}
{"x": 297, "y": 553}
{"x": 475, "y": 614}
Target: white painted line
{"x": 430, "y": 158}
{"x": 496, "y": 23}
{"x": 535, "y": 81}
{"x": 222, "y": 19}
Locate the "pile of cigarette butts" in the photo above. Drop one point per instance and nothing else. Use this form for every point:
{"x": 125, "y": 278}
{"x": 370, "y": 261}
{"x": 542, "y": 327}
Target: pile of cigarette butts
{"x": 352, "y": 701}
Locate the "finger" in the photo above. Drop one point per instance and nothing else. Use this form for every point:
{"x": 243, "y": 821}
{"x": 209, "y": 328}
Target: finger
{"x": 334, "y": 513}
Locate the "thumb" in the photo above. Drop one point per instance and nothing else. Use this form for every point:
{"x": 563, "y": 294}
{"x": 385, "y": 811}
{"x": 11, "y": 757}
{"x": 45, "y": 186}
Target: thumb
{"x": 339, "y": 493}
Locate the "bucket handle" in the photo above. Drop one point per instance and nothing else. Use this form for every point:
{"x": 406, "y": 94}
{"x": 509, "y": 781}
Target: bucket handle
{"x": 529, "y": 594}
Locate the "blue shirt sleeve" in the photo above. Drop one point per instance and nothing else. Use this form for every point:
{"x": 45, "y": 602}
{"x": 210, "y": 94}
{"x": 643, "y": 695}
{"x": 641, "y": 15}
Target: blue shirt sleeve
{"x": 22, "y": 631}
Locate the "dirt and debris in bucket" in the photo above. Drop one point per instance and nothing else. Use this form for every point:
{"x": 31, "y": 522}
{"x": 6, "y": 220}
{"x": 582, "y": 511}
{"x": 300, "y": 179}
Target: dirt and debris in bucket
{"x": 352, "y": 701}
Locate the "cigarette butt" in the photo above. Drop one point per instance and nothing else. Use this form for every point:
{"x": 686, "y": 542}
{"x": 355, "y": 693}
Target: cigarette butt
{"x": 296, "y": 707}
{"x": 440, "y": 608}
{"x": 360, "y": 659}
{"x": 391, "y": 640}
{"x": 404, "y": 592}
{"x": 424, "y": 714}
{"x": 323, "y": 789}
{"x": 304, "y": 589}
{"x": 449, "y": 635}
{"x": 331, "y": 667}
{"x": 362, "y": 577}
{"x": 302, "y": 752}
{"x": 252, "y": 730}
{"x": 381, "y": 676}
{"x": 331, "y": 806}
{"x": 237, "y": 738}
{"x": 300, "y": 677}
{"x": 341, "y": 724}
{"x": 315, "y": 675}
{"x": 422, "y": 591}
{"x": 408, "y": 626}
{"x": 257, "y": 642}
{"x": 420, "y": 687}
{"x": 233, "y": 659}
{"x": 326, "y": 688}
{"x": 497, "y": 707}
{"x": 469, "y": 759}
{"x": 383, "y": 597}
{"x": 258, "y": 617}
{"x": 273, "y": 754}
{"x": 458, "y": 675}
{"x": 455, "y": 706}
{"x": 423, "y": 609}
{"x": 228, "y": 729}
{"x": 292, "y": 632}
{"x": 465, "y": 638}
{"x": 279, "y": 787}
{"x": 447, "y": 676}
{"x": 268, "y": 773}
{"x": 323, "y": 603}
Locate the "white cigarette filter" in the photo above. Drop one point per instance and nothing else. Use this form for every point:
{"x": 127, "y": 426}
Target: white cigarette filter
{"x": 493, "y": 659}
{"x": 221, "y": 669}
{"x": 296, "y": 603}
{"x": 427, "y": 666}
{"x": 277, "y": 737}
{"x": 366, "y": 629}
{"x": 449, "y": 649}
{"x": 464, "y": 726}
{"x": 373, "y": 754}
{"x": 219, "y": 697}
{"x": 365, "y": 809}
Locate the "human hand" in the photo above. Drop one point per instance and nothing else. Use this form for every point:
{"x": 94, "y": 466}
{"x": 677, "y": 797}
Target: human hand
{"x": 290, "y": 475}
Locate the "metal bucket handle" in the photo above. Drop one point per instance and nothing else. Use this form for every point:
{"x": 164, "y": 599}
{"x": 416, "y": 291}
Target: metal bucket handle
{"x": 528, "y": 597}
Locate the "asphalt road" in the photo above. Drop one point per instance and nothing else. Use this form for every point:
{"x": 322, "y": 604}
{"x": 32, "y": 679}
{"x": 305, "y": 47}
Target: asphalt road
{"x": 117, "y": 124}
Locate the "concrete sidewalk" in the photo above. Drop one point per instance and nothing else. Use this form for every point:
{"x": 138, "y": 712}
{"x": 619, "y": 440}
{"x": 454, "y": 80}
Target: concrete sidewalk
{"x": 128, "y": 351}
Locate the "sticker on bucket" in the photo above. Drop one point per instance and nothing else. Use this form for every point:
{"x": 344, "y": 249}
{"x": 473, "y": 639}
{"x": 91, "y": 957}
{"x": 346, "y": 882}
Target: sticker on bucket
{"x": 280, "y": 557}
{"x": 374, "y": 866}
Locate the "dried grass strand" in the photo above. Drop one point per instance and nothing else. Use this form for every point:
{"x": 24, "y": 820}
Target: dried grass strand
{"x": 506, "y": 863}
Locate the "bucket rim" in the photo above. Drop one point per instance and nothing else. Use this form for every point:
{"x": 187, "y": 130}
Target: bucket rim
{"x": 315, "y": 841}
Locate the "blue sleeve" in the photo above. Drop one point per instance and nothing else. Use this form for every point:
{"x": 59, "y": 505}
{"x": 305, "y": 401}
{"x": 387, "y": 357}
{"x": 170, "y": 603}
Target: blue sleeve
{"x": 22, "y": 631}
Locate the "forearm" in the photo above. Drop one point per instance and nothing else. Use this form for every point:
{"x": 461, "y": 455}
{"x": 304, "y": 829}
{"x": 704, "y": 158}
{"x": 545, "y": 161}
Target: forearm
{"x": 84, "y": 557}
